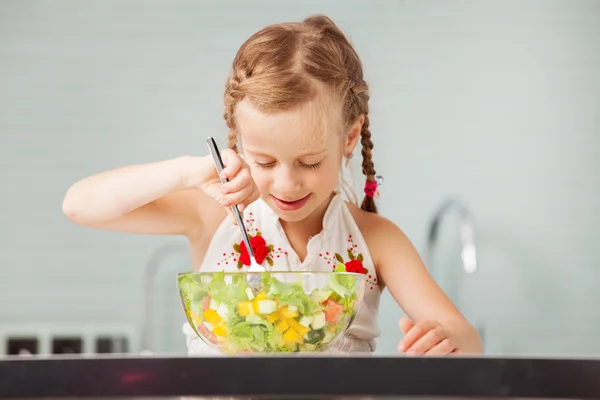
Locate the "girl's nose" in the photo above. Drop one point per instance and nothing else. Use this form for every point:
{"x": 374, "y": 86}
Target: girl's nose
{"x": 287, "y": 181}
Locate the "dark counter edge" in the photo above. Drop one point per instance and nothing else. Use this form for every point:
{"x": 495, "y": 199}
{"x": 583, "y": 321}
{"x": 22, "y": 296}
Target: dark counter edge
{"x": 287, "y": 377}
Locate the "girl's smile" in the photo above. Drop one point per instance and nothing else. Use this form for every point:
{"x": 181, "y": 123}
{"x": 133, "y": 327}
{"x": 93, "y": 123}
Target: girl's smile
{"x": 290, "y": 205}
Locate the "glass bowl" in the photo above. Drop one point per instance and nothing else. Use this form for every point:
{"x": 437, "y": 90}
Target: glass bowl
{"x": 288, "y": 312}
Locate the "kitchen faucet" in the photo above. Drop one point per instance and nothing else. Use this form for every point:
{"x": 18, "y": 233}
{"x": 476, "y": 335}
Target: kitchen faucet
{"x": 149, "y": 291}
{"x": 467, "y": 235}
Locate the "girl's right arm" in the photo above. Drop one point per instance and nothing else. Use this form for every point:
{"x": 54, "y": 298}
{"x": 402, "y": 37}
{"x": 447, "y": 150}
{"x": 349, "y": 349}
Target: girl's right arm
{"x": 175, "y": 196}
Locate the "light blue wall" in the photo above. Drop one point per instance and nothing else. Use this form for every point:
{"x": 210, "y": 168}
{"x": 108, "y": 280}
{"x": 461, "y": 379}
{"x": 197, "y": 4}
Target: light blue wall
{"x": 496, "y": 101}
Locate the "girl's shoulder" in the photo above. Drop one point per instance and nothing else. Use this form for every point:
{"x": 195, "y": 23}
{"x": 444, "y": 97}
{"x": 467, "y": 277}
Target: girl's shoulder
{"x": 371, "y": 224}
{"x": 384, "y": 238}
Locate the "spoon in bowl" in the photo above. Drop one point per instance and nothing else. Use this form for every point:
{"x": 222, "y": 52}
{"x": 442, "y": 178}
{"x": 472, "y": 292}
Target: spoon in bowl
{"x": 254, "y": 280}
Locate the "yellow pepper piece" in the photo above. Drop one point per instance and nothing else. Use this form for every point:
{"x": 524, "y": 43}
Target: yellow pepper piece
{"x": 220, "y": 331}
{"x": 285, "y": 313}
{"x": 282, "y": 326}
{"x": 301, "y": 329}
{"x": 196, "y": 318}
{"x": 290, "y": 345}
{"x": 212, "y": 317}
{"x": 260, "y": 296}
{"x": 272, "y": 317}
{"x": 292, "y": 336}
{"x": 246, "y": 308}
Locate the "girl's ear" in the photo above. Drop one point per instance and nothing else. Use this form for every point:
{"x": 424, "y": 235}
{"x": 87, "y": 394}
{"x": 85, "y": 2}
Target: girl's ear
{"x": 353, "y": 134}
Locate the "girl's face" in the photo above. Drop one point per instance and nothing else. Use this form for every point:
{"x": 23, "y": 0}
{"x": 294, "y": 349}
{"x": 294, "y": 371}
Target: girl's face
{"x": 295, "y": 156}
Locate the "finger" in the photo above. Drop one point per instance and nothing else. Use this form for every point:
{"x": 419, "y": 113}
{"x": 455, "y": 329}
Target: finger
{"x": 411, "y": 337}
{"x": 250, "y": 199}
{"x": 427, "y": 341}
{"x": 405, "y": 325}
{"x": 237, "y": 182}
{"x": 443, "y": 348}
{"x": 232, "y": 163}
{"x": 237, "y": 197}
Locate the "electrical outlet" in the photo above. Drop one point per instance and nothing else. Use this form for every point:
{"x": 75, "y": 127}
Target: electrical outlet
{"x": 67, "y": 345}
{"x": 22, "y": 346}
{"x": 111, "y": 345}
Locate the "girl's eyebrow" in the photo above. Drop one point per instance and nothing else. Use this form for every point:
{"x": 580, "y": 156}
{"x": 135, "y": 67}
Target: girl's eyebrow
{"x": 314, "y": 153}
{"x": 309, "y": 154}
{"x": 256, "y": 153}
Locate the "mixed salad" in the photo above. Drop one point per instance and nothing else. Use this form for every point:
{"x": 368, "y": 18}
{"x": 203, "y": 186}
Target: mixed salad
{"x": 277, "y": 317}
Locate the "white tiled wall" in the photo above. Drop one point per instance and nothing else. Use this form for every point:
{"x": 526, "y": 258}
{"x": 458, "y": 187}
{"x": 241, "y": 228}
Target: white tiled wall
{"x": 496, "y": 101}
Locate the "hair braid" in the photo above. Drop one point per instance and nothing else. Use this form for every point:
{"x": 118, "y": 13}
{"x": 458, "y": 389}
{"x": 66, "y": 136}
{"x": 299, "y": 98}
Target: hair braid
{"x": 358, "y": 104}
{"x": 368, "y": 169}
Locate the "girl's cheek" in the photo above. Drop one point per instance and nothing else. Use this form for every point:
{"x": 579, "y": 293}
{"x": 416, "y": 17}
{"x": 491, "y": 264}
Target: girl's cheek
{"x": 260, "y": 180}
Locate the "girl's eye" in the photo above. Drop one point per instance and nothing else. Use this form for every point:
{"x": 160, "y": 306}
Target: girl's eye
{"x": 312, "y": 166}
{"x": 267, "y": 165}
{"x": 271, "y": 164}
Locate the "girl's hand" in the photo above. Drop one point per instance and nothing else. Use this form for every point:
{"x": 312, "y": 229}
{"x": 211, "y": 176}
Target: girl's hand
{"x": 427, "y": 338}
{"x": 241, "y": 190}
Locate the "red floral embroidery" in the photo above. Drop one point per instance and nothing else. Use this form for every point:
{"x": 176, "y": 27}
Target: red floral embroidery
{"x": 354, "y": 263}
{"x": 355, "y": 266}
{"x": 261, "y": 250}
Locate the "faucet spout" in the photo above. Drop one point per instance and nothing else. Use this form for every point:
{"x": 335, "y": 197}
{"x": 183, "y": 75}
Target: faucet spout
{"x": 467, "y": 233}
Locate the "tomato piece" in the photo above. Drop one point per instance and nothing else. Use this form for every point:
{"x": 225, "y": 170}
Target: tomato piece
{"x": 332, "y": 311}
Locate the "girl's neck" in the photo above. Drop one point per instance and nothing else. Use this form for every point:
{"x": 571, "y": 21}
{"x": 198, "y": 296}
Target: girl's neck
{"x": 300, "y": 232}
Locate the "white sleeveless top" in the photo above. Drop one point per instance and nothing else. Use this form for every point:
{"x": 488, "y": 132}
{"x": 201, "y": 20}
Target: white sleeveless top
{"x": 340, "y": 234}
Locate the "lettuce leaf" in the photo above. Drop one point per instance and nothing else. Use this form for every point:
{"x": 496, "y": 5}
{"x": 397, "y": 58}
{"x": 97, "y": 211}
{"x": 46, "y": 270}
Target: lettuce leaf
{"x": 293, "y": 294}
{"x": 231, "y": 294}
{"x": 256, "y": 334}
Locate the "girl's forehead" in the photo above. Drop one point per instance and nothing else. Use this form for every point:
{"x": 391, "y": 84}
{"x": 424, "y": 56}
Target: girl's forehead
{"x": 305, "y": 129}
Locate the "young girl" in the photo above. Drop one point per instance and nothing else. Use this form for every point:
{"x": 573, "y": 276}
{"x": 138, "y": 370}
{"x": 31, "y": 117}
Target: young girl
{"x": 296, "y": 106}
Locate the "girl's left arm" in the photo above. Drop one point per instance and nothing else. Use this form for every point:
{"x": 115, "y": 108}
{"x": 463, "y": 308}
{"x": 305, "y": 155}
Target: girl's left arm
{"x": 437, "y": 326}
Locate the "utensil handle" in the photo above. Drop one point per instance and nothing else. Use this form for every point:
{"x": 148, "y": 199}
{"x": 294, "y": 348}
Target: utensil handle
{"x": 216, "y": 154}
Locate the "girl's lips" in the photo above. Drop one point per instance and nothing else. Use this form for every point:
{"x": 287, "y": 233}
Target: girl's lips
{"x": 290, "y": 205}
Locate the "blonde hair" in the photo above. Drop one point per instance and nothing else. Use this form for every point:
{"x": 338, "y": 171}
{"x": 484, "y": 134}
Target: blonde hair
{"x": 283, "y": 65}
